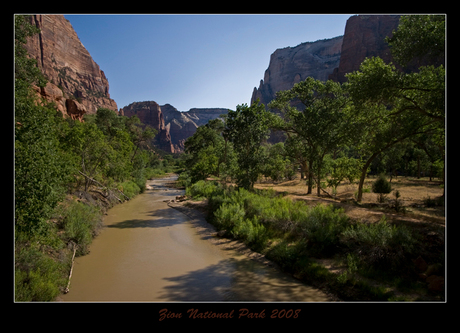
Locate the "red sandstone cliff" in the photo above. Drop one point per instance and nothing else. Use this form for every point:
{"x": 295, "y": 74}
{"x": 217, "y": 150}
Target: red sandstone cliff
{"x": 149, "y": 113}
{"x": 76, "y": 83}
{"x": 364, "y": 37}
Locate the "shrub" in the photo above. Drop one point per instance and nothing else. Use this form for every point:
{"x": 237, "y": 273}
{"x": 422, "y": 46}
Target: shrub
{"x": 287, "y": 254}
{"x": 204, "y": 189}
{"x": 80, "y": 223}
{"x": 129, "y": 188}
{"x": 381, "y": 245}
{"x": 228, "y": 215}
{"x": 251, "y": 232}
{"x": 322, "y": 228}
{"x": 381, "y": 186}
{"x": 37, "y": 276}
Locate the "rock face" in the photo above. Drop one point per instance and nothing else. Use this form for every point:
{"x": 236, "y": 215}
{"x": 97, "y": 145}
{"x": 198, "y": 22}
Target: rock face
{"x": 183, "y": 125}
{"x": 364, "y": 37}
{"x": 294, "y": 64}
{"x": 76, "y": 83}
{"x": 149, "y": 113}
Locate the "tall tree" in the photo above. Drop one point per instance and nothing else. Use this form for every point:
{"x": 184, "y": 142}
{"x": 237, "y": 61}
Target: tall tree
{"x": 247, "y": 127}
{"x": 419, "y": 39}
{"x": 394, "y": 106}
{"x": 411, "y": 103}
{"x": 320, "y": 120}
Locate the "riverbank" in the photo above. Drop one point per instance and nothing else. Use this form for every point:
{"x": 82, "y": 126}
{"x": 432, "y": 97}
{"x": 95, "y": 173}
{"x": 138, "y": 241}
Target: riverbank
{"x": 196, "y": 211}
{"x": 329, "y": 249}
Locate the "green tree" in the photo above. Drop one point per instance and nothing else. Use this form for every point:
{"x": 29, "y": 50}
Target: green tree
{"x": 90, "y": 148}
{"x": 320, "y": 120}
{"x": 344, "y": 168}
{"x": 247, "y": 127}
{"x": 205, "y": 151}
{"x": 419, "y": 38}
{"x": 393, "y": 106}
{"x": 277, "y": 165}
{"x": 40, "y": 171}
{"x": 141, "y": 135}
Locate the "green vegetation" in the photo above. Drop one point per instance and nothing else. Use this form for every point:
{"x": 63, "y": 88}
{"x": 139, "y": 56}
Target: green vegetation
{"x": 291, "y": 233}
{"x": 381, "y": 186}
{"x": 383, "y": 121}
{"x": 58, "y": 159}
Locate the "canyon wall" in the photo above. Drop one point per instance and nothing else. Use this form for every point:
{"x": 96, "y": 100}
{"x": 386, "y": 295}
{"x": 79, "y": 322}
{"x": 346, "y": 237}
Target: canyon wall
{"x": 364, "y": 37}
{"x": 294, "y": 64}
{"x": 75, "y": 82}
{"x": 149, "y": 113}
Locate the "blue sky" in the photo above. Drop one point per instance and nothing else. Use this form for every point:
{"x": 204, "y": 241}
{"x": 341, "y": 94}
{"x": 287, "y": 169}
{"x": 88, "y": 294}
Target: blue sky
{"x": 193, "y": 61}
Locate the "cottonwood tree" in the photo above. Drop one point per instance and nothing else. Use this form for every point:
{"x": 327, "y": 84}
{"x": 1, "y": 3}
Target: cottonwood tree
{"x": 319, "y": 120}
{"x": 246, "y": 128}
{"x": 206, "y": 151}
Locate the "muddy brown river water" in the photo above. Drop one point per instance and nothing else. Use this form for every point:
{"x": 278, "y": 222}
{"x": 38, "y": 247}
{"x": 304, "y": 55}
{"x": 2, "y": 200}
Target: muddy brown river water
{"x": 149, "y": 251}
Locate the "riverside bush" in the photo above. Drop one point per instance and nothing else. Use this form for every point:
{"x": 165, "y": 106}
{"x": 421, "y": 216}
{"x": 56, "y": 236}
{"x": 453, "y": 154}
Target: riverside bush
{"x": 204, "y": 189}
{"x": 322, "y": 228}
{"x": 37, "y": 276}
{"x": 381, "y": 245}
{"x": 129, "y": 188}
{"x": 80, "y": 224}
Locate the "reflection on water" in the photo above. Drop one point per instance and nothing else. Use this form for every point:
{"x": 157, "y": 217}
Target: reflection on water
{"x": 150, "y": 252}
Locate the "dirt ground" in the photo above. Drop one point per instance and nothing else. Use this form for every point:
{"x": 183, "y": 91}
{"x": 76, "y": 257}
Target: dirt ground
{"x": 413, "y": 192}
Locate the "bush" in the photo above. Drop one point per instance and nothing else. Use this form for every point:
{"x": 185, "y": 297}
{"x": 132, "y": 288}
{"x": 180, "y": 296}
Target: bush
{"x": 322, "y": 227}
{"x": 37, "y": 276}
{"x": 381, "y": 245}
{"x": 228, "y": 215}
{"x": 251, "y": 232}
{"x": 129, "y": 188}
{"x": 80, "y": 224}
{"x": 381, "y": 186}
{"x": 204, "y": 189}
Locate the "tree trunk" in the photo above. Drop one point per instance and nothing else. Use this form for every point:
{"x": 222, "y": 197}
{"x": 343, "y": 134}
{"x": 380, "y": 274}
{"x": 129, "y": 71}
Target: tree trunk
{"x": 303, "y": 169}
{"x": 363, "y": 176}
{"x": 310, "y": 177}
{"x": 418, "y": 167}
{"x": 318, "y": 184}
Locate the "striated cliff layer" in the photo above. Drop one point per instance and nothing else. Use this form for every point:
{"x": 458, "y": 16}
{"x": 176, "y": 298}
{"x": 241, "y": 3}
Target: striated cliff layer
{"x": 364, "y": 37}
{"x": 76, "y": 83}
{"x": 294, "y": 64}
{"x": 149, "y": 113}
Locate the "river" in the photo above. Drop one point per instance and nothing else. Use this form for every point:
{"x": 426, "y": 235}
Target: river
{"x": 148, "y": 251}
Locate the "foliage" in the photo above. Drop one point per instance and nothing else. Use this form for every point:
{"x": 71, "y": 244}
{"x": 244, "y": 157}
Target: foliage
{"x": 129, "y": 188}
{"x": 381, "y": 186}
{"x": 208, "y": 153}
{"x": 277, "y": 165}
{"x": 80, "y": 222}
{"x": 320, "y": 123}
{"x": 407, "y": 104}
{"x": 419, "y": 37}
{"x": 344, "y": 168}
{"x": 51, "y": 156}
{"x": 203, "y": 189}
{"x": 40, "y": 169}
{"x": 381, "y": 245}
{"x": 247, "y": 128}
{"x": 390, "y": 109}
{"x": 37, "y": 276}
